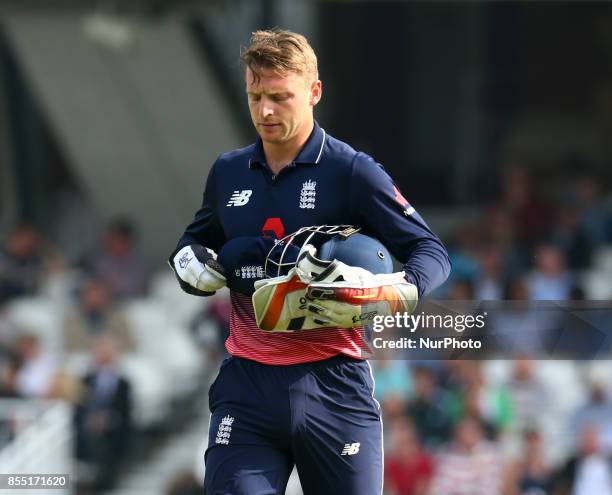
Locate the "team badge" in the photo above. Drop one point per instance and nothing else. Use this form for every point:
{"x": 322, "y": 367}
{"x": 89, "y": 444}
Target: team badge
{"x": 308, "y": 195}
{"x": 250, "y": 271}
{"x": 225, "y": 430}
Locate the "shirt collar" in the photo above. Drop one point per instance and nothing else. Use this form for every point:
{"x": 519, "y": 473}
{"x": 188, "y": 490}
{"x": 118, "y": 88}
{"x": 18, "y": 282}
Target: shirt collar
{"x": 309, "y": 155}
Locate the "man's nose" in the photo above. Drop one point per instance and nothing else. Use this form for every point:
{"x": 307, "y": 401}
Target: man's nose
{"x": 266, "y": 110}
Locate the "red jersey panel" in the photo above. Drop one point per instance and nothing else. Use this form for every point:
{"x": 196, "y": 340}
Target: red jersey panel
{"x": 246, "y": 340}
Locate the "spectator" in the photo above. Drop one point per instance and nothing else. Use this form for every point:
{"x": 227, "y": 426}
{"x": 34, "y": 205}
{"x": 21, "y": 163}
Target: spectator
{"x": 519, "y": 327}
{"x": 463, "y": 251}
{"x": 490, "y": 281}
{"x": 499, "y": 234}
{"x": 598, "y": 413}
{"x": 528, "y": 395}
{"x": 120, "y": 263}
{"x": 392, "y": 377}
{"x": 393, "y": 386}
{"x": 530, "y": 212}
{"x": 9, "y": 360}
{"x": 461, "y": 290}
{"x": 595, "y": 219}
{"x": 408, "y": 467}
{"x": 103, "y": 416}
{"x": 498, "y": 229}
{"x": 569, "y": 237}
{"x": 24, "y": 261}
{"x": 184, "y": 483}
{"x": 471, "y": 396}
{"x": 37, "y": 373}
{"x": 38, "y": 370}
{"x": 530, "y": 474}
{"x": 427, "y": 408}
{"x": 9, "y": 368}
{"x": 587, "y": 473}
{"x": 8, "y": 330}
{"x": 469, "y": 465}
{"x": 95, "y": 315}
{"x": 550, "y": 280}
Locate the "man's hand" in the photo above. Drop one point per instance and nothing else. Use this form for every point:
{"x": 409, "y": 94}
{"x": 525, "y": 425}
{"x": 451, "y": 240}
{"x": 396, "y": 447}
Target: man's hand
{"x": 350, "y": 296}
{"x": 197, "y": 270}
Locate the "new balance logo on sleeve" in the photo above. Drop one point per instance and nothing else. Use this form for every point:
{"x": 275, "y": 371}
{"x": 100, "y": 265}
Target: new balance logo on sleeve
{"x": 350, "y": 448}
{"x": 240, "y": 198}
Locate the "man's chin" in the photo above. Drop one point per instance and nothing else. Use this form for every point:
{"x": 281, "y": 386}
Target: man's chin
{"x": 271, "y": 139}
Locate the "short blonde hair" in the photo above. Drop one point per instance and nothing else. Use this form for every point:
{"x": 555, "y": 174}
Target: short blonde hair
{"x": 282, "y": 51}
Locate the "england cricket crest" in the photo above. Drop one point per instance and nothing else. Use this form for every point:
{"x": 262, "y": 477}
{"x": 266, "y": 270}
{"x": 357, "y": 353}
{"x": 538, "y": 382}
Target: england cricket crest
{"x": 308, "y": 195}
{"x": 250, "y": 271}
{"x": 225, "y": 430}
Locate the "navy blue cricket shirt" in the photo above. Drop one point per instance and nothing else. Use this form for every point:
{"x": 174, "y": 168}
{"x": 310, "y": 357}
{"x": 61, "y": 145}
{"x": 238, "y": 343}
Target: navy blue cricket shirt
{"x": 327, "y": 183}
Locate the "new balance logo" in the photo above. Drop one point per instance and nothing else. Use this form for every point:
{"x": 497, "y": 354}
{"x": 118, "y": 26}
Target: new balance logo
{"x": 240, "y": 198}
{"x": 350, "y": 448}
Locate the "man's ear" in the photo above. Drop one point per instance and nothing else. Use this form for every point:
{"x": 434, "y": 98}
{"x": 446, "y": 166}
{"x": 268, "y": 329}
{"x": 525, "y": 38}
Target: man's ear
{"x": 316, "y": 91}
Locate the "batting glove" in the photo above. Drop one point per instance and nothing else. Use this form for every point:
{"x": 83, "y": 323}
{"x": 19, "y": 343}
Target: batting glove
{"x": 197, "y": 270}
{"x": 347, "y": 296}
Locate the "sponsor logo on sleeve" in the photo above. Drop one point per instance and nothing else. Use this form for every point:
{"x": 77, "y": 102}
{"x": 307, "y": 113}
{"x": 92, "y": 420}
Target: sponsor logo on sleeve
{"x": 399, "y": 197}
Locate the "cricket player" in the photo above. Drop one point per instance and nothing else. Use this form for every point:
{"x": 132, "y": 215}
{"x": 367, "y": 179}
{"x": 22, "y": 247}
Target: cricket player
{"x": 301, "y": 398}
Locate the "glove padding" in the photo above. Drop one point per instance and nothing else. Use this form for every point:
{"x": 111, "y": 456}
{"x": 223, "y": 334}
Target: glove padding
{"x": 318, "y": 294}
{"x": 197, "y": 270}
{"x": 347, "y": 296}
{"x": 280, "y": 304}
{"x": 350, "y": 304}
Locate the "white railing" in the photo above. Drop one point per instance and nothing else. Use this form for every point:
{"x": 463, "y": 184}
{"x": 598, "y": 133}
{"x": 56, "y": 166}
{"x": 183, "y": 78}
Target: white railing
{"x": 41, "y": 440}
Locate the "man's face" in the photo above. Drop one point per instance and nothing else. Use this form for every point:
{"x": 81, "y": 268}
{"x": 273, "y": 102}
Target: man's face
{"x": 281, "y": 106}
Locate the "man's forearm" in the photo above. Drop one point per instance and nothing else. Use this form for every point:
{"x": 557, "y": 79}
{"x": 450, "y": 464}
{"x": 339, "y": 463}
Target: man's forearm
{"x": 428, "y": 266}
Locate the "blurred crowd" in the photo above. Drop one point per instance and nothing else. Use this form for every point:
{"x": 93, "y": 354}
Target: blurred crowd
{"x": 92, "y": 325}
{"x": 451, "y": 428}
{"x": 457, "y": 427}
{"x": 535, "y": 239}
{"x": 97, "y": 335}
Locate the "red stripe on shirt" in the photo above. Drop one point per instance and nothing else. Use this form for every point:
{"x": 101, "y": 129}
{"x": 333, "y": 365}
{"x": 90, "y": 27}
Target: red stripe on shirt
{"x": 246, "y": 340}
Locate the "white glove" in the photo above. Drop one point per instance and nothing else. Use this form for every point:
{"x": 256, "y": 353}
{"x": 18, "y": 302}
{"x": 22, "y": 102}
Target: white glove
{"x": 197, "y": 267}
{"x": 347, "y": 296}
